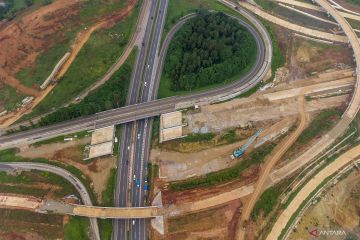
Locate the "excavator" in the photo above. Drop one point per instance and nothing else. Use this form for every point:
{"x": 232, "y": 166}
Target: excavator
{"x": 240, "y": 151}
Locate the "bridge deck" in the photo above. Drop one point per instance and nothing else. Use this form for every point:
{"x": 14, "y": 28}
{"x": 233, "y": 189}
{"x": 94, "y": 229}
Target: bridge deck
{"x": 112, "y": 212}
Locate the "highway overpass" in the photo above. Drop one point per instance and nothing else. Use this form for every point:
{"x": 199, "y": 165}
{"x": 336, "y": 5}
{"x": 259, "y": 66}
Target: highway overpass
{"x": 154, "y": 108}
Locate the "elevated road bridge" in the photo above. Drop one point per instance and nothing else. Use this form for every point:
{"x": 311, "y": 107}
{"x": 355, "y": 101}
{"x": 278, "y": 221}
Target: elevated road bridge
{"x": 145, "y": 110}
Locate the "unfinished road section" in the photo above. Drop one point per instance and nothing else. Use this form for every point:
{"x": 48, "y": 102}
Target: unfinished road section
{"x": 329, "y": 138}
{"x": 266, "y": 168}
{"x": 294, "y": 27}
{"x": 114, "y": 212}
{"x": 310, "y": 187}
{"x": 85, "y": 197}
{"x": 349, "y": 114}
{"x": 316, "y": 8}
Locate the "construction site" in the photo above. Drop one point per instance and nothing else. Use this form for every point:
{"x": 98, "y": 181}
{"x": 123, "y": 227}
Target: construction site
{"x": 233, "y": 169}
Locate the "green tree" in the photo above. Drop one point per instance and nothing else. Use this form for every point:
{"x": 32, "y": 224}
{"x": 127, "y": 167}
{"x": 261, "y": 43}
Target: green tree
{"x": 209, "y": 49}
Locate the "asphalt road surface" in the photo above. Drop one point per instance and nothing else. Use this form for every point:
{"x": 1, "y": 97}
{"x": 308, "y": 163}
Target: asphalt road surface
{"x": 141, "y": 130}
{"x": 85, "y": 197}
{"x": 157, "y": 107}
{"x": 121, "y": 226}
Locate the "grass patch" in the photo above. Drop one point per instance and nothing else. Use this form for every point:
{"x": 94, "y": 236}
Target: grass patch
{"x": 38, "y": 176}
{"x": 49, "y": 226}
{"x": 34, "y": 76}
{"x": 13, "y": 7}
{"x": 266, "y": 5}
{"x": 355, "y": 24}
{"x": 60, "y": 139}
{"x": 30, "y": 177}
{"x": 106, "y": 228}
{"x": 355, "y": 2}
{"x": 118, "y": 130}
{"x": 107, "y": 195}
{"x": 198, "y": 137}
{"x": 302, "y": 205}
{"x": 229, "y": 136}
{"x": 92, "y": 62}
{"x": 190, "y": 221}
{"x": 77, "y": 228}
{"x": 155, "y": 130}
{"x": 322, "y": 122}
{"x": 278, "y": 59}
{"x": 266, "y": 202}
{"x": 254, "y": 158}
{"x": 152, "y": 174}
{"x": 269, "y": 200}
{"x": 22, "y": 178}
{"x": 23, "y": 190}
{"x": 97, "y": 8}
{"x": 9, "y": 155}
{"x": 194, "y": 142}
{"x": 10, "y": 98}
{"x": 110, "y": 95}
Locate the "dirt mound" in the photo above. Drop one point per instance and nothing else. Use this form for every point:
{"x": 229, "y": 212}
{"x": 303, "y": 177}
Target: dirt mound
{"x": 21, "y": 40}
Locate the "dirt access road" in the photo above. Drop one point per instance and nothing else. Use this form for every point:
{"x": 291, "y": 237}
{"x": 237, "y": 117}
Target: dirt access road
{"x": 21, "y": 40}
{"x": 135, "y": 40}
{"x": 331, "y": 169}
{"x": 279, "y": 151}
{"x": 71, "y": 153}
{"x": 80, "y": 40}
{"x": 84, "y": 36}
{"x": 337, "y": 208}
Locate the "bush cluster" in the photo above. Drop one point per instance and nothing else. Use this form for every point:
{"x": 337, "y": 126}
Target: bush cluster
{"x": 209, "y": 49}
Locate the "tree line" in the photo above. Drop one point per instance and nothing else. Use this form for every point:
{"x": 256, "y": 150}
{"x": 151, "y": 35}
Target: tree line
{"x": 209, "y": 49}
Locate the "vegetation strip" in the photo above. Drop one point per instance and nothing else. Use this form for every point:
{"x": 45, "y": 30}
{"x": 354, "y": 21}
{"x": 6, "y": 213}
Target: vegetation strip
{"x": 211, "y": 179}
{"x": 104, "y": 98}
{"x": 209, "y": 49}
{"x": 92, "y": 62}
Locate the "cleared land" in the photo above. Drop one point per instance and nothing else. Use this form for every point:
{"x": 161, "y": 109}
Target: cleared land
{"x": 21, "y": 48}
{"x": 192, "y": 159}
{"x": 19, "y": 224}
{"x": 37, "y": 62}
{"x": 273, "y": 158}
{"x": 9, "y": 97}
{"x": 93, "y": 60}
{"x": 338, "y": 209}
{"x": 71, "y": 153}
{"x": 217, "y": 223}
{"x": 11, "y": 8}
